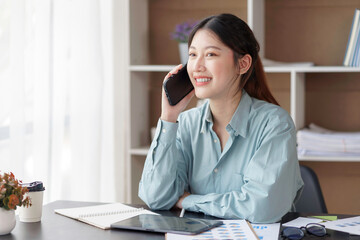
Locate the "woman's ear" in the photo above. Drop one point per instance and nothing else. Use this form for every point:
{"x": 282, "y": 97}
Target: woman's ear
{"x": 245, "y": 63}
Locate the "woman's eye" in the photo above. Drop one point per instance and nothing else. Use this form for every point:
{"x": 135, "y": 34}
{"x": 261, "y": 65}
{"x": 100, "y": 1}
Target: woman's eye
{"x": 210, "y": 54}
{"x": 192, "y": 54}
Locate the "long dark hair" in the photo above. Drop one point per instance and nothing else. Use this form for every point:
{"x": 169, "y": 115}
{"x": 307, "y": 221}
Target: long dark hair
{"x": 237, "y": 35}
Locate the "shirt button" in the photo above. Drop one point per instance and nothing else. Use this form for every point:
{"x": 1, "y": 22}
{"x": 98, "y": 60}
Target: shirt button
{"x": 164, "y": 130}
{"x": 215, "y": 170}
{"x": 215, "y": 141}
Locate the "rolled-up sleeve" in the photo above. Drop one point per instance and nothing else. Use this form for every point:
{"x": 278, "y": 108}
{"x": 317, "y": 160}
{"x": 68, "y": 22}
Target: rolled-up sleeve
{"x": 164, "y": 176}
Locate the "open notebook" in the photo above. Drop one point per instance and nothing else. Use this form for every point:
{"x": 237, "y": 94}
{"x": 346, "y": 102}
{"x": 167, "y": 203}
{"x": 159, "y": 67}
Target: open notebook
{"x": 102, "y": 216}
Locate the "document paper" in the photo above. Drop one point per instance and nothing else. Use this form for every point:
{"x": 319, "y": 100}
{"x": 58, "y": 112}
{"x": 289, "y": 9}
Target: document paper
{"x": 349, "y": 225}
{"x": 234, "y": 229}
{"x": 302, "y": 222}
{"x": 267, "y": 231}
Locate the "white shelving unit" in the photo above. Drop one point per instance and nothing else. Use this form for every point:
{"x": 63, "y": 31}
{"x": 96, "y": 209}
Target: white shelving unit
{"x": 140, "y": 70}
{"x": 297, "y": 93}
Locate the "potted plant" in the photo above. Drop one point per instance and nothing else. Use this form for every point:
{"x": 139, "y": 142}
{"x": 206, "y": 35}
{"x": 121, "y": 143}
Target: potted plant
{"x": 181, "y": 35}
{"x": 11, "y": 196}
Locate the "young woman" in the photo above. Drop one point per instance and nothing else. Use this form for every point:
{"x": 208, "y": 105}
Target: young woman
{"x": 235, "y": 156}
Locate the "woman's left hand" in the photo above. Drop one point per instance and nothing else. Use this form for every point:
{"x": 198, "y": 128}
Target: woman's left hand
{"x": 179, "y": 202}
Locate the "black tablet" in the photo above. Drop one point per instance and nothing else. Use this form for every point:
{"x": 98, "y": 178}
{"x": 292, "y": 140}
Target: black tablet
{"x": 165, "y": 224}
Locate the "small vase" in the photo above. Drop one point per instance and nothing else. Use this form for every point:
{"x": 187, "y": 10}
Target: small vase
{"x": 7, "y": 221}
{"x": 184, "y": 53}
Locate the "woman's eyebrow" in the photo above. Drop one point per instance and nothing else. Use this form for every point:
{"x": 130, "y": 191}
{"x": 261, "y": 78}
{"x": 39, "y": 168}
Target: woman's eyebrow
{"x": 215, "y": 47}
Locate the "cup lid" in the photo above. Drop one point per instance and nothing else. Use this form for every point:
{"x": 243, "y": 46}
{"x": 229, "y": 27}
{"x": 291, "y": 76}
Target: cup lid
{"x": 34, "y": 186}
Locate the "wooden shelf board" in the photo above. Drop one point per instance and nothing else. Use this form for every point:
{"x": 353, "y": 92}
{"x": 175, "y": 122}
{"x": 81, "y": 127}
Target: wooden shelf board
{"x": 140, "y": 151}
{"x": 151, "y": 68}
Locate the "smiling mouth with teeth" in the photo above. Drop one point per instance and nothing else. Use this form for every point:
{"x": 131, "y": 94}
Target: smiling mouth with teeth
{"x": 203, "y": 80}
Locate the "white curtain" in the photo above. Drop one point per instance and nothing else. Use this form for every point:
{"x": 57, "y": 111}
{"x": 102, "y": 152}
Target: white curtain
{"x": 57, "y": 96}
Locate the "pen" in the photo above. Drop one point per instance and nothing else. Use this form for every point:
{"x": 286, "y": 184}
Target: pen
{"x": 182, "y": 212}
{"x": 252, "y": 229}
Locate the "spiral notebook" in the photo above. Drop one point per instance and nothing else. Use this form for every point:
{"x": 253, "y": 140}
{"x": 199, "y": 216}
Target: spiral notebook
{"x": 102, "y": 216}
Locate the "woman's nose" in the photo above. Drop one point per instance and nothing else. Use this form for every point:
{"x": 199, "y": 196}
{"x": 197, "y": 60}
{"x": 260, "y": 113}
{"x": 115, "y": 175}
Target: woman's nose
{"x": 199, "y": 65}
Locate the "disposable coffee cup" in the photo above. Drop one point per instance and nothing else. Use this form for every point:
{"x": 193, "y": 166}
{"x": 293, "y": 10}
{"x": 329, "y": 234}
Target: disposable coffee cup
{"x": 36, "y": 194}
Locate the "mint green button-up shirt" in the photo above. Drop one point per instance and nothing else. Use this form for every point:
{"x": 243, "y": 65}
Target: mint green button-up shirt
{"x": 256, "y": 176}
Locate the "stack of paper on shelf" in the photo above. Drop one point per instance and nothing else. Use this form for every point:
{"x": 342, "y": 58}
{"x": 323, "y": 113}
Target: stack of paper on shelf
{"x": 318, "y": 141}
{"x": 352, "y": 54}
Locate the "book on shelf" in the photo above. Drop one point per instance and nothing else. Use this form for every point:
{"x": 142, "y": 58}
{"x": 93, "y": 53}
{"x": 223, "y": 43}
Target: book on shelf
{"x": 102, "y": 216}
{"x": 356, "y": 60}
{"x": 352, "y": 55}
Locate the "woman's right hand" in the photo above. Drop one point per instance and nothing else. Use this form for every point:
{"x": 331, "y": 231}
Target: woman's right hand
{"x": 170, "y": 113}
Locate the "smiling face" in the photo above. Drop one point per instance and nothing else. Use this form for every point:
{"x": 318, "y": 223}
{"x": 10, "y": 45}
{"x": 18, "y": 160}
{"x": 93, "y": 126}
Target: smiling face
{"x": 211, "y": 67}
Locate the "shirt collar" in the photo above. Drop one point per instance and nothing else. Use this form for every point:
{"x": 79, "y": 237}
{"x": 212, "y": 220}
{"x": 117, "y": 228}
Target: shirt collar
{"x": 239, "y": 121}
{"x": 207, "y": 117}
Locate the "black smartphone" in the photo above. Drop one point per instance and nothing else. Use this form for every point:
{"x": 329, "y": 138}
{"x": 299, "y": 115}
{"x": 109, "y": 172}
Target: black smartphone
{"x": 178, "y": 86}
